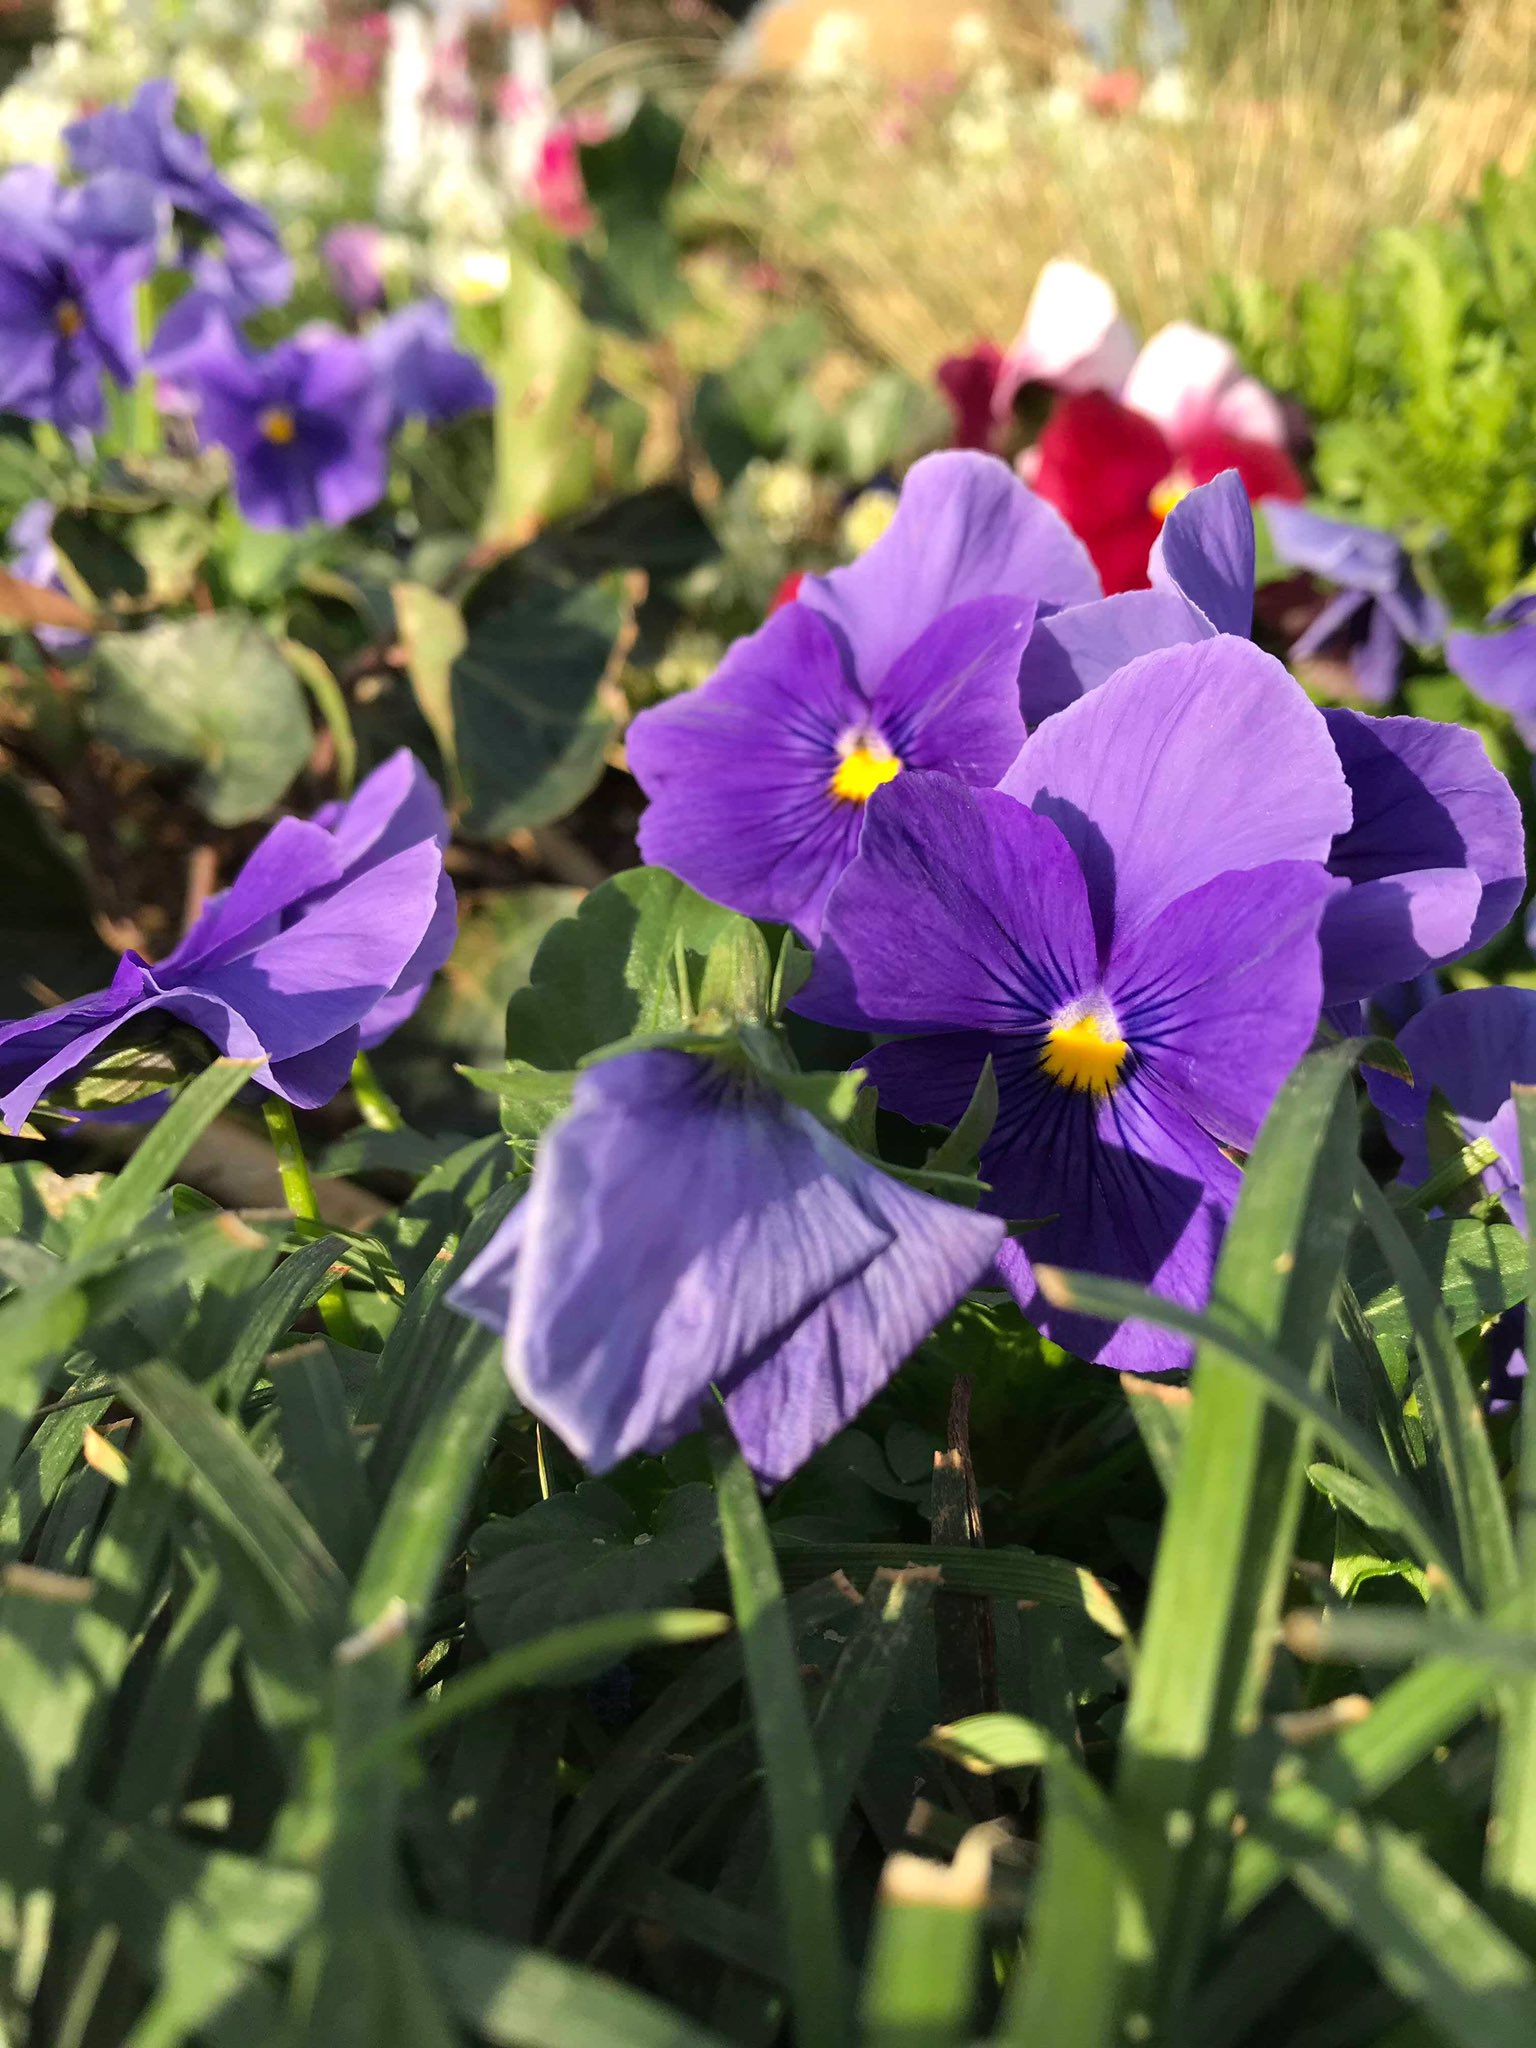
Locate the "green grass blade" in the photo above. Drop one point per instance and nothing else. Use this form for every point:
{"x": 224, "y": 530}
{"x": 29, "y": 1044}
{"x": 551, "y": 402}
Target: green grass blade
{"x": 1007, "y": 1573}
{"x": 1359, "y": 1449}
{"x": 1511, "y": 1860}
{"x": 1437, "y": 1949}
{"x": 921, "y": 1978}
{"x": 1227, "y": 1535}
{"x": 1471, "y": 1476}
{"x": 802, "y": 1843}
{"x": 128, "y": 1199}
{"x": 561, "y": 1657}
{"x": 518, "y": 1998}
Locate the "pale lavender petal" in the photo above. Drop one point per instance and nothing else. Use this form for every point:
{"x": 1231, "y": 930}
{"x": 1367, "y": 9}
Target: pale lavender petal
{"x": 1189, "y": 763}
{"x": 1501, "y": 669}
{"x": 1074, "y": 651}
{"x": 1374, "y": 931}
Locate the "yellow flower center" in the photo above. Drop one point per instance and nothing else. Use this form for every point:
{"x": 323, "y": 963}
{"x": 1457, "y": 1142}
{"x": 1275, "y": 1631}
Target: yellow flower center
{"x": 1174, "y": 488}
{"x": 68, "y": 319}
{"x": 1084, "y": 1053}
{"x": 278, "y": 425}
{"x": 866, "y": 766}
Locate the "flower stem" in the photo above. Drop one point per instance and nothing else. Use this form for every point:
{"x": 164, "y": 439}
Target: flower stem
{"x": 299, "y": 1193}
{"x": 377, "y": 1110}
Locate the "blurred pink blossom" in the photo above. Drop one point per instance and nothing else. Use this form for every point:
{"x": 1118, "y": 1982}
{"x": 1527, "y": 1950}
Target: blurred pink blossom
{"x": 558, "y": 189}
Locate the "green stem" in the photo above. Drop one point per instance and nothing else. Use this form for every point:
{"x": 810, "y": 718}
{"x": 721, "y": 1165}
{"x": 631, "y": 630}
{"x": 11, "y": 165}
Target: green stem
{"x": 376, "y": 1108}
{"x": 144, "y": 412}
{"x": 299, "y": 1194}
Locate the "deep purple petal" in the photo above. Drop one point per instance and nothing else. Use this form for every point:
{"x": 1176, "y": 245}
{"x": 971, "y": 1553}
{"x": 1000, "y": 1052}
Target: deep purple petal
{"x": 1189, "y": 763}
{"x": 311, "y": 1079}
{"x": 1219, "y": 997}
{"x": 1205, "y": 553}
{"x": 739, "y": 774}
{"x": 37, "y": 1051}
{"x": 950, "y": 702}
{"x": 404, "y": 999}
{"x": 294, "y": 860}
{"x": 965, "y": 527}
{"x": 963, "y": 909}
{"x": 1373, "y": 931}
{"x": 1342, "y": 619}
{"x": 1426, "y": 796}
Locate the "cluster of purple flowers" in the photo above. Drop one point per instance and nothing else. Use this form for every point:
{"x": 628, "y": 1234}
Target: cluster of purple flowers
{"x": 1106, "y": 845}
{"x": 306, "y": 423}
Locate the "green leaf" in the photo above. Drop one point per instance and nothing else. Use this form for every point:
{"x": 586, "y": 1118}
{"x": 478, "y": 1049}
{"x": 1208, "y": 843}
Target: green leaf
{"x": 584, "y": 1554}
{"x": 1478, "y": 1270}
{"x": 804, "y": 1862}
{"x": 108, "y": 573}
{"x": 920, "y": 1979}
{"x": 212, "y": 694}
{"x": 432, "y": 637}
{"x": 545, "y": 457}
{"x": 607, "y": 972}
{"x": 318, "y": 677}
{"x": 532, "y": 718}
{"x": 629, "y": 179}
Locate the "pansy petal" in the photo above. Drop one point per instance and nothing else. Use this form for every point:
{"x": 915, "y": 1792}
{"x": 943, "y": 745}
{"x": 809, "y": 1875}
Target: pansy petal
{"x": 1354, "y": 557}
{"x": 715, "y": 1223}
{"x": 1376, "y": 661}
{"x": 1501, "y": 669}
{"x": 1374, "y": 930}
{"x": 965, "y": 527}
{"x": 37, "y": 1051}
{"x": 1190, "y": 763}
{"x": 846, "y": 1350}
{"x": 1205, "y": 552}
{"x": 1179, "y": 377}
{"x": 313, "y": 1078}
{"x": 1473, "y": 1047}
{"x": 951, "y": 701}
{"x": 1072, "y": 652}
{"x": 327, "y": 969}
{"x": 1136, "y": 1191}
{"x": 415, "y": 978}
{"x": 396, "y": 806}
{"x": 1219, "y": 997}
{"x": 294, "y": 860}
{"x": 739, "y": 774}
{"x": 1339, "y": 619}
{"x": 962, "y": 909}
{"x": 1425, "y": 795}
{"x": 1073, "y": 337}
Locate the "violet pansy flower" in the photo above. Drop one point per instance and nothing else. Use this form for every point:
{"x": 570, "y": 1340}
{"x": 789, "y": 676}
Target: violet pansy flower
{"x": 1473, "y": 1046}
{"x": 1501, "y": 667}
{"x": 144, "y": 139}
{"x": 35, "y": 560}
{"x": 305, "y": 423}
{"x": 687, "y": 1229}
{"x": 350, "y": 254}
{"x": 1380, "y": 608}
{"x": 1129, "y": 929}
{"x": 323, "y": 944}
{"x": 71, "y": 260}
{"x": 1435, "y": 852}
{"x": 427, "y": 375}
{"x": 907, "y": 659}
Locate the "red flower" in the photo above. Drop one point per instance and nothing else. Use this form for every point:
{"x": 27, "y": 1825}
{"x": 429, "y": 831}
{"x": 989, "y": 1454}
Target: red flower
{"x": 969, "y": 382}
{"x": 1114, "y": 476}
{"x": 787, "y": 591}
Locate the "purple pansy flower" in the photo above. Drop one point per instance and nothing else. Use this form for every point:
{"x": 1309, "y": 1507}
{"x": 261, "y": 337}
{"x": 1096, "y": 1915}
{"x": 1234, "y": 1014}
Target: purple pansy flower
{"x": 1380, "y": 608}
{"x": 305, "y": 423}
{"x": 688, "y": 1229}
{"x": 1435, "y": 852}
{"x": 35, "y": 560}
{"x": 323, "y": 943}
{"x": 143, "y": 138}
{"x": 907, "y": 659}
{"x": 71, "y": 259}
{"x": 1473, "y": 1046}
{"x": 351, "y": 257}
{"x": 1129, "y": 928}
{"x": 1501, "y": 667}
{"x": 428, "y": 376}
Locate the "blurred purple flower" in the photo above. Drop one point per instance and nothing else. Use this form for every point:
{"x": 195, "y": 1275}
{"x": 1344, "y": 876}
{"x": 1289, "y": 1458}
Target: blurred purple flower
{"x": 907, "y": 659}
{"x": 143, "y": 138}
{"x": 1129, "y": 927}
{"x": 322, "y": 945}
{"x": 351, "y": 257}
{"x": 427, "y": 375}
{"x": 1473, "y": 1046}
{"x": 1436, "y": 850}
{"x": 1501, "y": 667}
{"x": 71, "y": 259}
{"x": 35, "y": 559}
{"x": 688, "y": 1229}
{"x": 305, "y": 423}
{"x": 1380, "y": 608}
